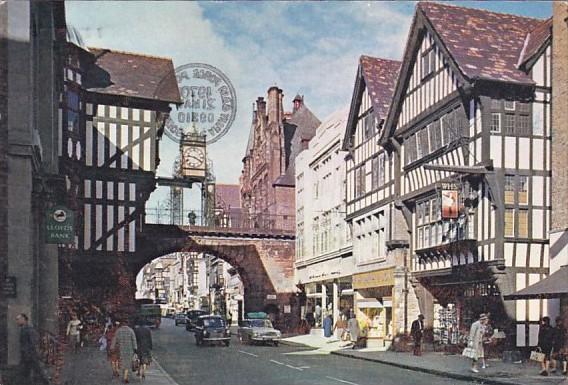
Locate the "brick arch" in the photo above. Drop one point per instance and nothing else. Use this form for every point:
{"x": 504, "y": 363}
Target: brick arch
{"x": 264, "y": 265}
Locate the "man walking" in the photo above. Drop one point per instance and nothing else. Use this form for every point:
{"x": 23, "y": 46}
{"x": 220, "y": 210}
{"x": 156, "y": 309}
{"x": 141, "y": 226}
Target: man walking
{"x": 29, "y": 357}
{"x": 417, "y": 332}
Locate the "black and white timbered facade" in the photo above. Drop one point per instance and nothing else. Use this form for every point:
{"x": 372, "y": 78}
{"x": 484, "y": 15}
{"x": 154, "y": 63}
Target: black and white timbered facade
{"x": 379, "y": 236}
{"x": 471, "y": 111}
{"x": 111, "y": 118}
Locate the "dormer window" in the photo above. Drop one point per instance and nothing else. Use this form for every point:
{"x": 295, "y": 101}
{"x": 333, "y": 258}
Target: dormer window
{"x": 428, "y": 62}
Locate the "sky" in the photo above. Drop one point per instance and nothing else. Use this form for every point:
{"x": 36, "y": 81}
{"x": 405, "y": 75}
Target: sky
{"x": 307, "y": 48}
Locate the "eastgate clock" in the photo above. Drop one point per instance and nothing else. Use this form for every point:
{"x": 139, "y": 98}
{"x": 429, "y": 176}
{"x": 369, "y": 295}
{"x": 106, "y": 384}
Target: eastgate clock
{"x": 194, "y": 157}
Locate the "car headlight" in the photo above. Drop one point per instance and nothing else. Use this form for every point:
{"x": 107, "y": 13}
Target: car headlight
{"x": 228, "y": 332}
{"x": 256, "y": 334}
{"x": 206, "y": 334}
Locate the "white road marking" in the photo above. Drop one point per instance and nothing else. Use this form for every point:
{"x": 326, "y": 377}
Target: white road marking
{"x": 250, "y": 354}
{"x": 293, "y": 367}
{"x": 340, "y": 380}
{"x": 303, "y": 367}
{"x": 277, "y": 362}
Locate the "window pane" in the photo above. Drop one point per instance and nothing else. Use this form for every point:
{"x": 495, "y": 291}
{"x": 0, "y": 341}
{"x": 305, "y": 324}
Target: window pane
{"x": 510, "y": 105}
{"x": 509, "y": 222}
{"x": 496, "y": 122}
{"x": 523, "y": 125}
{"x": 509, "y": 189}
{"x": 523, "y": 223}
{"x": 523, "y": 190}
{"x": 509, "y": 124}
{"x": 524, "y": 107}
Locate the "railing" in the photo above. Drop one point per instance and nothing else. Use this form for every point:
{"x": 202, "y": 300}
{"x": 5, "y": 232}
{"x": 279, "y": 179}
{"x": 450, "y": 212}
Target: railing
{"x": 233, "y": 219}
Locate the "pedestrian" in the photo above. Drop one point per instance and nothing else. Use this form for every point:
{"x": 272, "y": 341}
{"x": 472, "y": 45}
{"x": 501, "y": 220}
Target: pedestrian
{"x": 125, "y": 341}
{"x": 417, "y": 332}
{"x": 545, "y": 343}
{"x": 353, "y": 327}
{"x": 112, "y": 353}
{"x": 317, "y": 314}
{"x": 74, "y": 331}
{"x": 144, "y": 342}
{"x": 29, "y": 357}
{"x": 557, "y": 357}
{"x": 310, "y": 319}
{"x": 476, "y": 341}
{"x": 327, "y": 325}
{"x": 340, "y": 327}
{"x": 487, "y": 338}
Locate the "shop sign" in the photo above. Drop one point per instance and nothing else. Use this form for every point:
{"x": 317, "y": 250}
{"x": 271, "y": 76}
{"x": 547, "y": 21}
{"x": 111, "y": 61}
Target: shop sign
{"x": 376, "y": 278}
{"x": 10, "y": 287}
{"x": 271, "y": 296}
{"x": 60, "y": 225}
{"x": 450, "y": 201}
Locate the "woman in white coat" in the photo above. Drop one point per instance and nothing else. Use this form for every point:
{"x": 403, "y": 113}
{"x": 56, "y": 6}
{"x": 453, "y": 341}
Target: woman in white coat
{"x": 476, "y": 340}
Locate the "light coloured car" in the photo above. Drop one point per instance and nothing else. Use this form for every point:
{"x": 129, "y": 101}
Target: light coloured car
{"x": 258, "y": 331}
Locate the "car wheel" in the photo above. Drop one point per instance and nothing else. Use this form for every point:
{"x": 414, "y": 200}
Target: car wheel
{"x": 275, "y": 343}
{"x": 227, "y": 343}
{"x": 197, "y": 341}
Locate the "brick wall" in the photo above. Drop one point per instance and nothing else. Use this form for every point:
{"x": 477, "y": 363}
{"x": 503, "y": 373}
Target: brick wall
{"x": 560, "y": 117}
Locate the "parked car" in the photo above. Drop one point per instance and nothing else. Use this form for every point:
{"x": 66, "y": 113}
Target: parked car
{"x": 212, "y": 328}
{"x": 258, "y": 330}
{"x": 180, "y": 318}
{"x": 191, "y": 318}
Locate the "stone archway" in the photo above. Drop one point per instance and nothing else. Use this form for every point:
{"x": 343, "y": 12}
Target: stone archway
{"x": 265, "y": 265}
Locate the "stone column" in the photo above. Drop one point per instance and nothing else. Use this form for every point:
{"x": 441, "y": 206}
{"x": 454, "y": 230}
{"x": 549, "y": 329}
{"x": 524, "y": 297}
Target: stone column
{"x": 335, "y": 302}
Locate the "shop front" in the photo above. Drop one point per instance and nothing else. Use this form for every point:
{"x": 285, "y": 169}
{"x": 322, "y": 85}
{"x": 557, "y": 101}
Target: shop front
{"x": 457, "y": 301}
{"x": 374, "y": 298}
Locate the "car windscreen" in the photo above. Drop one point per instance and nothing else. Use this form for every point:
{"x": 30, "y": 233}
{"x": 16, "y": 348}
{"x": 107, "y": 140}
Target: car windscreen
{"x": 213, "y": 323}
{"x": 260, "y": 323}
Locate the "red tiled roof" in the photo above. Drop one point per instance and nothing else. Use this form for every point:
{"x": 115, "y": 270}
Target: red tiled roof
{"x": 380, "y": 78}
{"x": 131, "y": 74}
{"x": 484, "y": 44}
{"x": 228, "y": 195}
{"x": 535, "y": 39}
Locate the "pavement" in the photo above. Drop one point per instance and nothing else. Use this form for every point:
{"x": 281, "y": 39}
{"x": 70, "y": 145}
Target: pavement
{"x": 436, "y": 363}
{"x": 89, "y": 366}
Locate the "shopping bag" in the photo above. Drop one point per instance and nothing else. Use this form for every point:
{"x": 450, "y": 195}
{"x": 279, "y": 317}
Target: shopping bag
{"x": 537, "y": 355}
{"x": 135, "y": 362}
{"x": 469, "y": 352}
{"x": 103, "y": 343}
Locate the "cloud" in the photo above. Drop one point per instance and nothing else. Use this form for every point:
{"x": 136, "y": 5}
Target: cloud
{"x": 307, "y": 47}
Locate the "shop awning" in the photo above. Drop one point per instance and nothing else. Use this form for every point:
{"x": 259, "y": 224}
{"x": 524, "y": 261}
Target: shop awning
{"x": 369, "y": 303}
{"x": 553, "y": 286}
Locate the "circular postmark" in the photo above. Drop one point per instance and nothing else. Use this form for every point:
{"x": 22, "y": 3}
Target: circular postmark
{"x": 209, "y": 103}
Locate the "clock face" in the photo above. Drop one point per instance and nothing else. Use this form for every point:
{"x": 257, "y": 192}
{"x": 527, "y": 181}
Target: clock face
{"x": 194, "y": 157}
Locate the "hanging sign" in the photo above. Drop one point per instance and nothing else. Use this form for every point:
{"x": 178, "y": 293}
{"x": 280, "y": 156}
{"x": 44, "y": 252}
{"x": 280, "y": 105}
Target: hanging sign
{"x": 450, "y": 201}
{"x": 60, "y": 225}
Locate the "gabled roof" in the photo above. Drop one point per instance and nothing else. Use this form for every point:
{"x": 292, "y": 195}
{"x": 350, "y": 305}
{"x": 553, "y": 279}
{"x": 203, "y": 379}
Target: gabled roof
{"x": 131, "y": 74}
{"x": 379, "y": 76}
{"x": 477, "y": 44}
{"x": 228, "y": 195}
{"x": 483, "y": 44}
{"x": 535, "y": 41}
{"x": 299, "y": 128}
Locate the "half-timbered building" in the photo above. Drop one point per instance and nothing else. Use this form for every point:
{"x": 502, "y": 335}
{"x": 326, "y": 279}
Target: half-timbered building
{"x": 470, "y": 120}
{"x": 111, "y": 118}
{"x": 379, "y": 235}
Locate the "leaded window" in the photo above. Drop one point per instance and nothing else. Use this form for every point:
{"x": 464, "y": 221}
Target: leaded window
{"x": 496, "y": 122}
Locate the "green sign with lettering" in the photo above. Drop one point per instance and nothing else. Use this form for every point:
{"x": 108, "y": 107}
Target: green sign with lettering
{"x": 60, "y": 225}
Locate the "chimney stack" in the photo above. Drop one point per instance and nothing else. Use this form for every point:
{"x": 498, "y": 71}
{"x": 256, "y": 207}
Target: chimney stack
{"x": 260, "y": 108}
{"x": 274, "y": 109}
